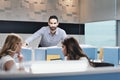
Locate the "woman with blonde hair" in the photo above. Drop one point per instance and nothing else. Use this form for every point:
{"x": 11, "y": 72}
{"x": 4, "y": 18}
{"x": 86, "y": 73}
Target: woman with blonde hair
{"x": 11, "y": 50}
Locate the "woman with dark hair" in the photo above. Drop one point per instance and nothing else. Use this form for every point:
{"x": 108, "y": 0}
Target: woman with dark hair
{"x": 72, "y": 50}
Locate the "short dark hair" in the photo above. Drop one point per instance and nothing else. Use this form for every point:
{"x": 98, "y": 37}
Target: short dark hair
{"x": 53, "y": 17}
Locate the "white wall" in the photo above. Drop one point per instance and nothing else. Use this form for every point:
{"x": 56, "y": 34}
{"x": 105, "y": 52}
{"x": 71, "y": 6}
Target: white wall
{"x": 118, "y": 10}
{"x": 39, "y": 10}
{"x": 97, "y": 10}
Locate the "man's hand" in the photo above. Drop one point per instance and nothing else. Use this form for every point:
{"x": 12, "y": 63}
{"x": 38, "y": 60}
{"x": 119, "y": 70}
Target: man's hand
{"x": 24, "y": 44}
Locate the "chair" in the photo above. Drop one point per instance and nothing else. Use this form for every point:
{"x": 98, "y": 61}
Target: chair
{"x": 54, "y": 53}
{"x": 27, "y": 53}
{"x": 110, "y": 55}
{"x": 40, "y": 54}
{"x": 91, "y": 52}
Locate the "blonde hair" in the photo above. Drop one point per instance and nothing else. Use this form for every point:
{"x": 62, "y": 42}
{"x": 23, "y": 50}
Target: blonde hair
{"x": 10, "y": 44}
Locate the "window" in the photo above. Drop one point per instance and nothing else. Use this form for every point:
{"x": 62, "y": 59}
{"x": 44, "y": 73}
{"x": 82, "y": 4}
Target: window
{"x": 100, "y": 34}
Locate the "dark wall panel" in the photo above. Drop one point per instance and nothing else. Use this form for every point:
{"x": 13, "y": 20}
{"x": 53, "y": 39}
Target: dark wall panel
{"x": 31, "y": 27}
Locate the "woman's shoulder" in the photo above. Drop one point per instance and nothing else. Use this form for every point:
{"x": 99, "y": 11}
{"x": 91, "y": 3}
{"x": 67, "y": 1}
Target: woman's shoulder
{"x": 6, "y": 58}
{"x": 83, "y": 58}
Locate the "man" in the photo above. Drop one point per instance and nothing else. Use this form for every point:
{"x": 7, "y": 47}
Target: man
{"x": 50, "y": 35}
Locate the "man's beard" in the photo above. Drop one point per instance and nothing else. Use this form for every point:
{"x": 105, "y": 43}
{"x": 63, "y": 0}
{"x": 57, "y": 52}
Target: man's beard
{"x": 53, "y": 28}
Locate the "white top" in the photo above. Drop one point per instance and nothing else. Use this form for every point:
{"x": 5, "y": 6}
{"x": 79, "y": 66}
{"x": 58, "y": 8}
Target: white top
{"x": 84, "y": 59}
{"x": 4, "y": 59}
{"x": 47, "y": 39}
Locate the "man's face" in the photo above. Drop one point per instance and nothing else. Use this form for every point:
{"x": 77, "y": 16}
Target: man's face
{"x": 53, "y": 23}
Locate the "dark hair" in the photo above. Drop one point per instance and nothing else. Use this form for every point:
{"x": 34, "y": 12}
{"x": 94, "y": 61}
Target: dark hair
{"x": 53, "y": 17}
{"x": 73, "y": 49}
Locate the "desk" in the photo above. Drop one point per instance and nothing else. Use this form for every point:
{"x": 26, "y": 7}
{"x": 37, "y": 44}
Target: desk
{"x": 104, "y": 73}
